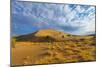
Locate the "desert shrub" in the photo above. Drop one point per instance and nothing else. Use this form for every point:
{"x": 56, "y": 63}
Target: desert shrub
{"x": 49, "y": 39}
{"x": 93, "y": 43}
{"x": 13, "y": 42}
{"x": 68, "y": 35}
{"x": 63, "y": 36}
{"x": 82, "y": 40}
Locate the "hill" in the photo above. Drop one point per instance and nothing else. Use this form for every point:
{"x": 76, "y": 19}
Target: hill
{"x": 50, "y": 46}
{"x": 50, "y": 35}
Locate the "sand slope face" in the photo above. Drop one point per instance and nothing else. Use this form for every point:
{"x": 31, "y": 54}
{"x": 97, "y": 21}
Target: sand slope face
{"x": 44, "y": 35}
{"x": 51, "y": 33}
{"x": 50, "y": 46}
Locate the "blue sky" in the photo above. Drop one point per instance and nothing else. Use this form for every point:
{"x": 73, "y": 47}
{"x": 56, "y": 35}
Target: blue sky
{"x": 28, "y": 17}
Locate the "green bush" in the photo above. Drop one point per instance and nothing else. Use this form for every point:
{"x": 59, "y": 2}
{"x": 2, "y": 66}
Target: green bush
{"x": 13, "y": 42}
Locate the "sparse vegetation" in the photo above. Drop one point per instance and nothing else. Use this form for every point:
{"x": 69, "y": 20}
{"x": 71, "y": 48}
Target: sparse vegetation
{"x": 48, "y": 50}
{"x": 13, "y": 42}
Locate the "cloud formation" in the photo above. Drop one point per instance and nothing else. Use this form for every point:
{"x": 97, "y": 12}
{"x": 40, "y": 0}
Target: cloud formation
{"x": 70, "y": 18}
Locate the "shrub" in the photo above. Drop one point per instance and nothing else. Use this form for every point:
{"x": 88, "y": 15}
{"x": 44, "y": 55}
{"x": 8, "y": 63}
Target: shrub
{"x": 13, "y": 42}
{"x": 63, "y": 36}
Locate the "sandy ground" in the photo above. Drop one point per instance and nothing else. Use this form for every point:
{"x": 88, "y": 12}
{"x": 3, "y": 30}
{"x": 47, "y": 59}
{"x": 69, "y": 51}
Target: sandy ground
{"x": 24, "y": 52}
{"x": 28, "y": 53}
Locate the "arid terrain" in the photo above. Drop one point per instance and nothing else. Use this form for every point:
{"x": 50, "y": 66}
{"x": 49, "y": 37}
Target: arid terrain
{"x": 50, "y": 46}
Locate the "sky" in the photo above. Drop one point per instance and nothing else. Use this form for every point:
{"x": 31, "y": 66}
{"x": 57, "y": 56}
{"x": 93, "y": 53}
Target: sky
{"x": 28, "y": 17}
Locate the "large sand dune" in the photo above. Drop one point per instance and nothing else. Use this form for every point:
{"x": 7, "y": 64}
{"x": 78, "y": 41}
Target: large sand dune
{"x": 50, "y": 46}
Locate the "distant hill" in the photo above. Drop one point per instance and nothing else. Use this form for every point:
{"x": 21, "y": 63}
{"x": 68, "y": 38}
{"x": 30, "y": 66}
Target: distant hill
{"x": 49, "y": 35}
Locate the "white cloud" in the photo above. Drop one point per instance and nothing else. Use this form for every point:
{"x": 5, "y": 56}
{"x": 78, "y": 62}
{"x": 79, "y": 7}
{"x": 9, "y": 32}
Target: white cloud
{"x": 57, "y": 16}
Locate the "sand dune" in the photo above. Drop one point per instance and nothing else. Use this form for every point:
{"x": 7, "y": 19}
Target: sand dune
{"x": 50, "y": 46}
